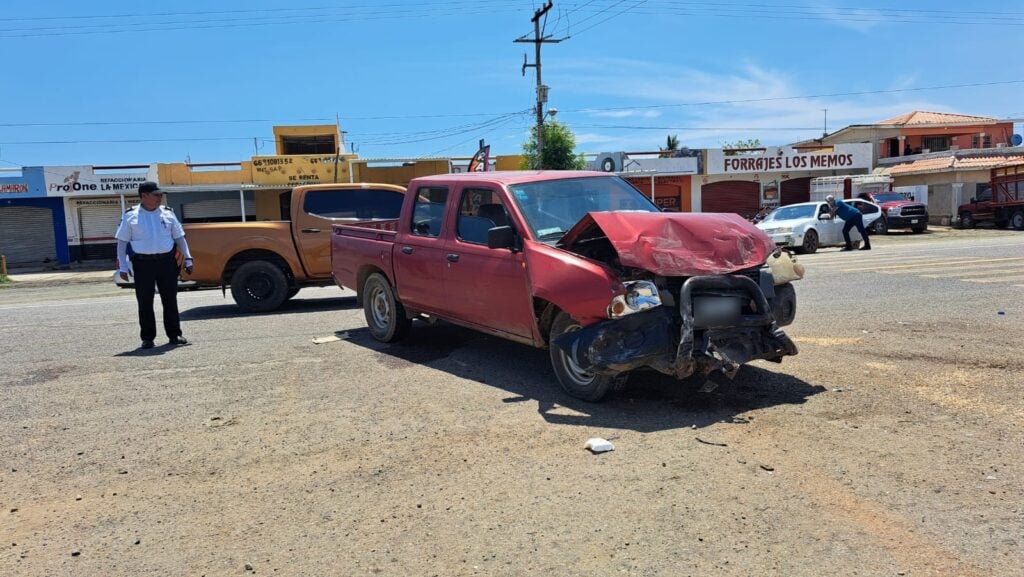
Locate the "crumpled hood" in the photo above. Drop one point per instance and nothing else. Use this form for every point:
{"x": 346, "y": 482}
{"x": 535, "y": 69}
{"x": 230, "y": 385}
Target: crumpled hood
{"x": 676, "y": 243}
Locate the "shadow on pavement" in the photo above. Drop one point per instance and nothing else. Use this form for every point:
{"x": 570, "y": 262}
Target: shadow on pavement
{"x": 293, "y": 306}
{"x": 649, "y": 401}
{"x": 153, "y": 352}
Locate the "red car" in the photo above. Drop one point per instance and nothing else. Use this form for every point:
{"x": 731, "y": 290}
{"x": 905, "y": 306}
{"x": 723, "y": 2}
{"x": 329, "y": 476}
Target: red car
{"x": 580, "y": 263}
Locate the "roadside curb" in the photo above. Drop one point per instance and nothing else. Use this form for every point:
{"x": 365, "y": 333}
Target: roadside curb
{"x": 54, "y": 279}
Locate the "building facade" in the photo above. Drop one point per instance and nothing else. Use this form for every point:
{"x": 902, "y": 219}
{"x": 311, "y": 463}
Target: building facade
{"x": 32, "y": 224}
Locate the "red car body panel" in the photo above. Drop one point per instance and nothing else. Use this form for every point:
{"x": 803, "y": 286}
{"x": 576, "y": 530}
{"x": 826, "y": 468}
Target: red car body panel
{"x": 581, "y": 287}
{"x": 678, "y": 244}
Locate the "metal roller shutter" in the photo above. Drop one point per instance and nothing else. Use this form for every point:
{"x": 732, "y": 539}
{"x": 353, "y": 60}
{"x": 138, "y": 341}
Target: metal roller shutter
{"x": 739, "y": 196}
{"x": 26, "y": 235}
{"x": 217, "y": 210}
{"x": 796, "y": 190}
{"x": 98, "y": 222}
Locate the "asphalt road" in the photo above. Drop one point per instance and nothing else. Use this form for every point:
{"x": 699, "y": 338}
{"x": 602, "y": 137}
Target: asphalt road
{"x": 891, "y": 445}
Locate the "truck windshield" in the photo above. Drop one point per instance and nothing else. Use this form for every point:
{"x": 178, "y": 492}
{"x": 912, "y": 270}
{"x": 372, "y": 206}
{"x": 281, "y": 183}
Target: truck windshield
{"x": 792, "y": 212}
{"x": 890, "y": 197}
{"x": 552, "y": 207}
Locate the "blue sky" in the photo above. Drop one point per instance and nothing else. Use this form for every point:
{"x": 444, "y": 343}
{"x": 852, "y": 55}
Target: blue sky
{"x": 200, "y": 80}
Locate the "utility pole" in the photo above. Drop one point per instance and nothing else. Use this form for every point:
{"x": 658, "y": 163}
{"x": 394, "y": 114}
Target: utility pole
{"x": 824, "y": 134}
{"x": 542, "y": 91}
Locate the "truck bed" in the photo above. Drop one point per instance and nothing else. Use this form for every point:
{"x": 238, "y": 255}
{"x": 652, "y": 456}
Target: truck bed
{"x": 353, "y": 245}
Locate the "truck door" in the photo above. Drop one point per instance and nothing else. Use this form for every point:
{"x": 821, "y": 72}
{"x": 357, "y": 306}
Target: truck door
{"x": 322, "y": 207}
{"x": 419, "y": 255}
{"x": 489, "y": 285}
{"x": 983, "y": 205}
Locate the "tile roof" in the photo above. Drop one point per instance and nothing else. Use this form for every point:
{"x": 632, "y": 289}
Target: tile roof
{"x": 919, "y": 117}
{"x": 953, "y": 163}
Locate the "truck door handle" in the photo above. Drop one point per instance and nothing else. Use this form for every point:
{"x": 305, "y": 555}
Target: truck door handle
{"x": 452, "y": 257}
{"x": 406, "y": 250}
{"x": 311, "y": 230}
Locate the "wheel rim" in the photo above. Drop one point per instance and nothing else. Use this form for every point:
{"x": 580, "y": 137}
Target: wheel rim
{"x": 380, "y": 308}
{"x": 811, "y": 242}
{"x": 966, "y": 219}
{"x": 572, "y": 369}
{"x": 259, "y": 286}
{"x": 1018, "y": 220}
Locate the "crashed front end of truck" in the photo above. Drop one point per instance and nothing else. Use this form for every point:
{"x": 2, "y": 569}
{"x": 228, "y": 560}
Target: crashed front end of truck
{"x": 700, "y": 295}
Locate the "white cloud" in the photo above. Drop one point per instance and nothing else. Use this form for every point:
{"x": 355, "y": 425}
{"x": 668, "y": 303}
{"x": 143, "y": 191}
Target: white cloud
{"x": 856, "y": 19}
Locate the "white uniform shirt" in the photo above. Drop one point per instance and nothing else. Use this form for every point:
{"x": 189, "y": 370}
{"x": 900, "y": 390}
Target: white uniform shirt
{"x": 150, "y": 232}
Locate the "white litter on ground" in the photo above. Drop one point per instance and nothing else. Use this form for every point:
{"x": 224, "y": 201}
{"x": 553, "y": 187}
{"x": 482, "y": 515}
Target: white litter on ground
{"x": 599, "y": 445}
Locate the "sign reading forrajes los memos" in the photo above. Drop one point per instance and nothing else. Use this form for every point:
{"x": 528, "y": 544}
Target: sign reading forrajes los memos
{"x": 840, "y": 157}
{"x": 293, "y": 170}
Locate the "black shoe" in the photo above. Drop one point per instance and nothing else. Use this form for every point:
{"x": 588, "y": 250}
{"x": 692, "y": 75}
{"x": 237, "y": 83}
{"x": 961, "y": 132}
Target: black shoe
{"x": 846, "y": 248}
{"x": 865, "y": 248}
{"x": 178, "y": 340}
{"x": 146, "y": 345}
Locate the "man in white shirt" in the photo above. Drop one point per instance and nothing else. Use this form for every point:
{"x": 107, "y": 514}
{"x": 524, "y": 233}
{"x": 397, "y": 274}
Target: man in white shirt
{"x": 153, "y": 232}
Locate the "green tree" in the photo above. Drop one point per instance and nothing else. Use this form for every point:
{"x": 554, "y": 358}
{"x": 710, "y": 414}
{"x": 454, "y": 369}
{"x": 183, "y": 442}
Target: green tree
{"x": 749, "y": 143}
{"x": 558, "y": 153}
{"x": 671, "y": 145}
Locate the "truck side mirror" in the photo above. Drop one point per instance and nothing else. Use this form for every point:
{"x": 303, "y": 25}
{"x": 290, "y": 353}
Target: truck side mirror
{"x": 974, "y": 201}
{"x": 501, "y": 237}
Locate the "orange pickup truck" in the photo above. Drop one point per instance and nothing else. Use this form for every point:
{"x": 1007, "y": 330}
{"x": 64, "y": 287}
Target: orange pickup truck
{"x": 266, "y": 262}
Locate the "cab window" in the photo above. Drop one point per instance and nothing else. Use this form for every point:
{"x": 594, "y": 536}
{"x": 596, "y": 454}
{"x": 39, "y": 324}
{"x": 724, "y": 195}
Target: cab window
{"x": 353, "y": 203}
{"x": 428, "y": 211}
{"x": 480, "y": 209}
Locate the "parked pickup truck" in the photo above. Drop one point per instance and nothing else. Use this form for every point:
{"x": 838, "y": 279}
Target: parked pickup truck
{"x": 999, "y": 207}
{"x": 897, "y": 212}
{"x": 580, "y": 263}
{"x": 267, "y": 262}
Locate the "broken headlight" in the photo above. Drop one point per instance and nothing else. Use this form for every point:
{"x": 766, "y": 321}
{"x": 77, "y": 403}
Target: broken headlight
{"x": 640, "y": 296}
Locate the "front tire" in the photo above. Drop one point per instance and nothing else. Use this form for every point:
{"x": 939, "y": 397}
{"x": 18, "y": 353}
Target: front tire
{"x": 385, "y": 315}
{"x": 881, "y": 226}
{"x": 259, "y": 286}
{"x": 574, "y": 380}
{"x": 810, "y": 244}
{"x": 1017, "y": 220}
{"x": 967, "y": 220}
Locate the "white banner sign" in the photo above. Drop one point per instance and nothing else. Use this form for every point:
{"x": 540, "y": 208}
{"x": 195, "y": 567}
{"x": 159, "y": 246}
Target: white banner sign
{"x": 841, "y": 157}
{"x": 83, "y": 181}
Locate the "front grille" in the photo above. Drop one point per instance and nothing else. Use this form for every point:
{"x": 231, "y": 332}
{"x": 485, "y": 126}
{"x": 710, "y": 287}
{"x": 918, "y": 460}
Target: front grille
{"x": 915, "y": 210}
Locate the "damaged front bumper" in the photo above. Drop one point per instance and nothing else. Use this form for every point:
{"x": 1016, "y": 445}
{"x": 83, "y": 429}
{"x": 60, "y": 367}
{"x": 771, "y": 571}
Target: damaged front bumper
{"x": 701, "y": 339}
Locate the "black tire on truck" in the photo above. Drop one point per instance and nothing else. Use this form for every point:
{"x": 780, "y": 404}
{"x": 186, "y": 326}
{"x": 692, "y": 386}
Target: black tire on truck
{"x": 574, "y": 380}
{"x": 1017, "y": 220}
{"x": 259, "y": 286}
{"x": 966, "y": 220}
{"x": 881, "y": 226}
{"x": 291, "y": 292}
{"x": 385, "y": 315}
{"x": 784, "y": 304}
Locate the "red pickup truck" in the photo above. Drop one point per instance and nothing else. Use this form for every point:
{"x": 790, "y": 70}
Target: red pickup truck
{"x": 580, "y": 263}
{"x": 898, "y": 212}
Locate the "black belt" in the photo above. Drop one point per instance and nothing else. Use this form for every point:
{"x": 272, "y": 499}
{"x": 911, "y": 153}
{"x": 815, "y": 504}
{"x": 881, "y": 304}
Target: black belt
{"x": 158, "y": 256}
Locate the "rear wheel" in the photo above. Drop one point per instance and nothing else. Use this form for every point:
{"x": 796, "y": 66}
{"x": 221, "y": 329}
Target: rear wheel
{"x": 810, "y": 244}
{"x": 291, "y": 292}
{"x": 1017, "y": 220}
{"x": 385, "y": 315}
{"x": 573, "y": 379}
{"x": 259, "y": 286}
{"x": 881, "y": 226}
{"x": 967, "y": 220}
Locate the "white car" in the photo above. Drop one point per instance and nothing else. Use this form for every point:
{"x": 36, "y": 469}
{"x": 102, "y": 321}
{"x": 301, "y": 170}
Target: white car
{"x": 809, "y": 226}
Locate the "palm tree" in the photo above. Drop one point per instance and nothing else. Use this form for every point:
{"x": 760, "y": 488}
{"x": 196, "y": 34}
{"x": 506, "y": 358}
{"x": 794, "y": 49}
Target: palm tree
{"x": 671, "y": 145}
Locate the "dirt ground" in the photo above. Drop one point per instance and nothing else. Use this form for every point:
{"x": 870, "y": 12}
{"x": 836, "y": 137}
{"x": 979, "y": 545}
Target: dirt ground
{"x": 891, "y": 445}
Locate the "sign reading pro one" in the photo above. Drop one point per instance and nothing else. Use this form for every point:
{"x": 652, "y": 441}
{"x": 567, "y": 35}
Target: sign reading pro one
{"x": 84, "y": 181}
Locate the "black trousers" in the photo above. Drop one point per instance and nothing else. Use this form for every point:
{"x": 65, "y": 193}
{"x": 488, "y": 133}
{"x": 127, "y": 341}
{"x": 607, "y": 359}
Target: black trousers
{"x": 162, "y": 273}
{"x": 856, "y": 221}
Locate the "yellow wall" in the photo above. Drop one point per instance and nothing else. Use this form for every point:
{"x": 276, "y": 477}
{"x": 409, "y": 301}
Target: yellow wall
{"x": 180, "y": 173}
{"x": 507, "y": 162}
{"x": 268, "y": 204}
{"x": 400, "y": 175}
